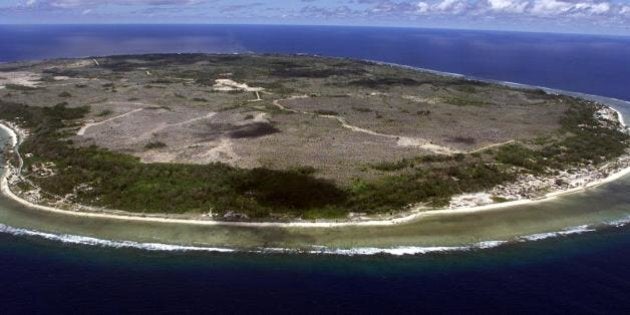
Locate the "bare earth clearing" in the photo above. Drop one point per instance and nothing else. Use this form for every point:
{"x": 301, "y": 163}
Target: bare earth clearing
{"x": 335, "y": 128}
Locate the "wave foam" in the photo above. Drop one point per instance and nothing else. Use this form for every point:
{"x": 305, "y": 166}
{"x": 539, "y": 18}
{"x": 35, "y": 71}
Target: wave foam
{"x": 541, "y": 236}
{"x": 84, "y": 240}
{"x": 619, "y": 223}
{"x": 405, "y": 250}
{"x": 317, "y": 250}
{"x": 91, "y": 241}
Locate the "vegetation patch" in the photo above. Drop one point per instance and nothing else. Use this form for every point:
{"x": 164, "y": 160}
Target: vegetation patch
{"x": 362, "y": 109}
{"x": 464, "y": 101}
{"x": 313, "y": 72}
{"x": 385, "y": 82}
{"x": 326, "y": 112}
{"x": 155, "y": 145}
{"x": 253, "y": 130}
{"x": 18, "y": 87}
{"x": 465, "y": 140}
{"x": 105, "y": 112}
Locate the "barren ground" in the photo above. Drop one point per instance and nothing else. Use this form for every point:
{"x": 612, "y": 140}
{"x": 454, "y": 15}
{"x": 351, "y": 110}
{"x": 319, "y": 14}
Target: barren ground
{"x": 334, "y": 115}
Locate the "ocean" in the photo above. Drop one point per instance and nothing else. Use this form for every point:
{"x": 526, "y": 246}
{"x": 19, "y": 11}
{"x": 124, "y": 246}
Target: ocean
{"x": 580, "y": 273}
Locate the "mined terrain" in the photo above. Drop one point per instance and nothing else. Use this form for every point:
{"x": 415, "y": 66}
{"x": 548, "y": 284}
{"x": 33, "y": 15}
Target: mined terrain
{"x": 253, "y": 136}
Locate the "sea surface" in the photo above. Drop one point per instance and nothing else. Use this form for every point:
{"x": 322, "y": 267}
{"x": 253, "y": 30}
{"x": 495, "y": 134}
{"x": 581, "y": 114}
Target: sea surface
{"x": 582, "y": 272}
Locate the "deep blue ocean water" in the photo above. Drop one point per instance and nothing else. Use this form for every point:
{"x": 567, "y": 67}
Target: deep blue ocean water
{"x": 582, "y": 274}
{"x": 587, "y": 273}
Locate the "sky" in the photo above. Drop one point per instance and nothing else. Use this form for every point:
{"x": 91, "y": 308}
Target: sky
{"x": 573, "y": 16}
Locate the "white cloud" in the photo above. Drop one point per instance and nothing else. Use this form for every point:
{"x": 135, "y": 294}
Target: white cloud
{"x": 593, "y": 8}
{"x": 442, "y": 6}
{"x": 70, "y": 4}
{"x": 496, "y": 8}
{"x": 508, "y": 6}
{"x": 454, "y": 6}
{"x": 556, "y": 7}
{"x": 423, "y": 7}
{"x": 599, "y": 13}
{"x": 550, "y": 7}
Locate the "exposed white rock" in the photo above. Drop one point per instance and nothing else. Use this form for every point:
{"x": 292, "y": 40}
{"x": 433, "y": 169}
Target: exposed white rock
{"x": 226, "y": 85}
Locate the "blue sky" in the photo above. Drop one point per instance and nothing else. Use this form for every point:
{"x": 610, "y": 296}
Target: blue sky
{"x": 578, "y": 16}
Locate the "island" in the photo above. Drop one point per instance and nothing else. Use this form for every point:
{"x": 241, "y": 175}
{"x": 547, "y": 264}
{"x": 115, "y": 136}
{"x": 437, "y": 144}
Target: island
{"x": 290, "y": 138}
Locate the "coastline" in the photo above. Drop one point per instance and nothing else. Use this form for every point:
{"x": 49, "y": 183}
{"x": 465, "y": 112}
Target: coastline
{"x": 409, "y": 216}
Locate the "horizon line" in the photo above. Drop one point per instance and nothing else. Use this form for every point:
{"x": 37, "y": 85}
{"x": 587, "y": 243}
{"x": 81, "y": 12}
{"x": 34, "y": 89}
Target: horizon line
{"x": 328, "y": 25}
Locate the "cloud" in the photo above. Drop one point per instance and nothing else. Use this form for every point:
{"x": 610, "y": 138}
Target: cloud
{"x": 507, "y": 6}
{"x": 550, "y": 7}
{"x": 496, "y": 8}
{"x": 594, "y": 8}
{"x": 70, "y": 4}
{"x": 336, "y": 12}
{"x": 454, "y": 6}
{"x": 423, "y": 7}
{"x": 530, "y": 14}
{"x": 442, "y": 6}
{"x": 556, "y": 7}
{"x": 542, "y": 15}
{"x": 240, "y": 7}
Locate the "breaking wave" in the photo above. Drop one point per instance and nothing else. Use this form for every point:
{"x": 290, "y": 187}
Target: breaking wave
{"x": 574, "y": 230}
{"x": 316, "y": 250}
{"x": 84, "y": 240}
